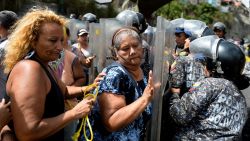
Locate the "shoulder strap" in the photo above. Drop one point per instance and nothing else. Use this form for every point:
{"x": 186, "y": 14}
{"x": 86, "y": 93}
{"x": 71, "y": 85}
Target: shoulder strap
{"x": 7, "y": 98}
{"x": 72, "y": 65}
{"x": 3, "y": 39}
{"x": 46, "y": 70}
{"x": 73, "y": 49}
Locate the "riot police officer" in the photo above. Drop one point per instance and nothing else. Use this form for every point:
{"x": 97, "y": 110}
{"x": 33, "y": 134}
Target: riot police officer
{"x": 132, "y": 18}
{"x": 90, "y": 17}
{"x": 220, "y": 29}
{"x": 181, "y": 35}
{"x": 214, "y": 108}
{"x": 187, "y": 68}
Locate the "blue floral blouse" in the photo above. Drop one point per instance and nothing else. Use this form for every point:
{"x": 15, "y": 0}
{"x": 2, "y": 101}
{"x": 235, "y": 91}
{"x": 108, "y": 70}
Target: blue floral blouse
{"x": 118, "y": 82}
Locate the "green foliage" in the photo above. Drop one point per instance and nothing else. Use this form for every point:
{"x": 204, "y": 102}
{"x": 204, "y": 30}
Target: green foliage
{"x": 172, "y": 10}
{"x": 202, "y": 11}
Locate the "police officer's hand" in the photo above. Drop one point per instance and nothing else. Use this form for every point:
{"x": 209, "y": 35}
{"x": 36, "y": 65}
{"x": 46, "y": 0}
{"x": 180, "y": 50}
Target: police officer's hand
{"x": 187, "y": 43}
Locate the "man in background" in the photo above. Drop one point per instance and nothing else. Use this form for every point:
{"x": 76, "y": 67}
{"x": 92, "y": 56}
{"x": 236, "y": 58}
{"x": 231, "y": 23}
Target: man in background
{"x": 219, "y": 29}
{"x": 7, "y": 19}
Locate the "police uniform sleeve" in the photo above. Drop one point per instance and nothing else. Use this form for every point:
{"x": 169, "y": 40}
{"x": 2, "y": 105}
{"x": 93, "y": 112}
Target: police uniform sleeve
{"x": 184, "y": 109}
{"x": 177, "y": 73}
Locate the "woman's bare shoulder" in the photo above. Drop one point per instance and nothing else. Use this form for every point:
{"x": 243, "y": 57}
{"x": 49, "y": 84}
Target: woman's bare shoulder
{"x": 28, "y": 77}
{"x": 28, "y": 72}
{"x": 27, "y": 67}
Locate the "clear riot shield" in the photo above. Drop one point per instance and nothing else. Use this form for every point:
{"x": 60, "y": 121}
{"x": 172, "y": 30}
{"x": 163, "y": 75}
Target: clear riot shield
{"x": 108, "y": 27}
{"x": 148, "y": 36}
{"x": 95, "y": 45}
{"x": 178, "y": 22}
{"x": 196, "y": 27}
{"x": 164, "y": 41}
{"x": 74, "y": 25}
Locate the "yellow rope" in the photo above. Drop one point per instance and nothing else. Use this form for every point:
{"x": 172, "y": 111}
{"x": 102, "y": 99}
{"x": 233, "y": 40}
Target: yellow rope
{"x": 86, "y": 119}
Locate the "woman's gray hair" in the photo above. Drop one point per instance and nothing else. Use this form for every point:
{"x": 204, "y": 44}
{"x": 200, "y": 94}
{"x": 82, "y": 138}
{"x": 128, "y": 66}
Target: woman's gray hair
{"x": 119, "y": 35}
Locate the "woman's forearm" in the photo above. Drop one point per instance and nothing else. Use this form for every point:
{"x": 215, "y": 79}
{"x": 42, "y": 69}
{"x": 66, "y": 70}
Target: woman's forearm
{"x": 73, "y": 91}
{"x": 126, "y": 115}
{"x": 7, "y": 134}
{"x": 44, "y": 128}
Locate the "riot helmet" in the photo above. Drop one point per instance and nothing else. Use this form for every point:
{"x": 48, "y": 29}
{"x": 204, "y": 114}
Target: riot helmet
{"x": 197, "y": 28}
{"x": 132, "y": 18}
{"x": 143, "y": 24}
{"x": 219, "y": 29}
{"x": 223, "y": 57}
{"x": 91, "y": 18}
{"x": 149, "y": 34}
{"x": 207, "y": 31}
{"x": 219, "y": 26}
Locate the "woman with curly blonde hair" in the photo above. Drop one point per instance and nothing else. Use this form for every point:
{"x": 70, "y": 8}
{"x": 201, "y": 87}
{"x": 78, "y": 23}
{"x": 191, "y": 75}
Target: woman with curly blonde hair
{"x": 37, "y": 95}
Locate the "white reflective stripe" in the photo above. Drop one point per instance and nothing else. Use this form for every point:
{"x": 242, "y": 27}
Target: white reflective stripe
{"x": 214, "y": 49}
{"x": 201, "y": 31}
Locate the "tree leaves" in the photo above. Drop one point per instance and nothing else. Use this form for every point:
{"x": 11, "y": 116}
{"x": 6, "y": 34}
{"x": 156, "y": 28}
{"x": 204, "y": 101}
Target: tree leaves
{"x": 202, "y": 11}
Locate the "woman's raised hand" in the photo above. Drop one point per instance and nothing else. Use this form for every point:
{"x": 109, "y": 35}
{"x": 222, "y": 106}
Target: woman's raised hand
{"x": 149, "y": 90}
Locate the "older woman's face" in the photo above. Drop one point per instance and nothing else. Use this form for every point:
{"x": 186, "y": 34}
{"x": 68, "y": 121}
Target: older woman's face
{"x": 130, "y": 52}
{"x": 50, "y": 42}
